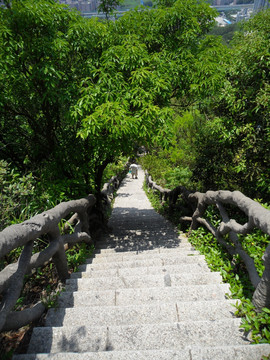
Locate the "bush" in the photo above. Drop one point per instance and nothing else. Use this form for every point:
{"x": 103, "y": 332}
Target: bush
{"x": 164, "y": 173}
{"x": 114, "y": 169}
{"x": 17, "y": 194}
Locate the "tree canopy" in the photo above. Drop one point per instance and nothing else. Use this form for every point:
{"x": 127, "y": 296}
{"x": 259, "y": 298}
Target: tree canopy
{"x": 105, "y": 87}
{"x": 242, "y": 111}
{"x": 77, "y": 93}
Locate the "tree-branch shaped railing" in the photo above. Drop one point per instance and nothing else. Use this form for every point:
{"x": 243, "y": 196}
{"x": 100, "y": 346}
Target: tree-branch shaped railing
{"x": 88, "y": 219}
{"x": 257, "y": 217}
{"x": 24, "y": 235}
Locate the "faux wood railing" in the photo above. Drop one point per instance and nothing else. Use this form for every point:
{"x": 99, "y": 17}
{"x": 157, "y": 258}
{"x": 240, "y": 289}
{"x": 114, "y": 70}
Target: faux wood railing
{"x": 24, "y": 235}
{"x": 86, "y": 216}
{"x": 257, "y": 217}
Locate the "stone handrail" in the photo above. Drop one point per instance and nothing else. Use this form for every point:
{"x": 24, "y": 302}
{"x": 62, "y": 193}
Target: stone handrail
{"x": 87, "y": 219}
{"x": 109, "y": 188}
{"x": 24, "y": 235}
{"x": 112, "y": 185}
{"x": 257, "y": 217}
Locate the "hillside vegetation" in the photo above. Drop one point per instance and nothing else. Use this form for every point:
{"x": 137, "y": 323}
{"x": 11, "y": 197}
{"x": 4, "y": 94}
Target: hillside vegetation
{"x": 77, "y": 94}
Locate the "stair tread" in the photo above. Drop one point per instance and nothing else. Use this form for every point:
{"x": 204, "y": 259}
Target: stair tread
{"x": 158, "y": 261}
{"x": 143, "y": 295}
{"x": 146, "y": 253}
{"x": 112, "y": 355}
{"x": 158, "y": 280}
{"x": 133, "y": 337}
{"x": 235, "y": 352}
{"x": 188, "y": 256}
{"x": 90, "y": 271}
{"x": 142, "y": 314}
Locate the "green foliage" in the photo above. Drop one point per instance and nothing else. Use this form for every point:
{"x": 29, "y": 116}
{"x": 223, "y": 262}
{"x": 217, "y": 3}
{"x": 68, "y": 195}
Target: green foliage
{"x": 225, "y": 148}
{"x": 173, "y": 166}
{"x": 50, "y": 297}
{"x": 181, "y": 26}
{"x": 208, "y": 71}
{"x": 236, "y": 275}
{"x": 213, "y": 167}
{"x": 256, "y": 323}
{"x": 255, "y": 245}
{"x": 77, "y": 255}
{"x": 130, "y": 4}
{"x": 164, "y": 3}
{"x": 125, "y": 100}
{"x": 163, "y": 174}
{"x": 42, "y": 48}
{"x": 177, "y": 176}
{"x": 241, "y": 117}
{"x": 105, "y": 87}
{"x": 77, "y": 95}
{"x": 154, "y": 199}
{"x": 148, "y": 3}
{"x": 156, "y": 166}
{"x": 186, "y": 128}
{"x": 16, "y": 196}
{"x": 219, "y": 260}
{"x": 108, "y": 88}
{"x": 115, "y": 169}
{"x": 22, "y": 196}
{"x": 232, "y": 269}
{"x": 227, "y": 32}
{"x": 108, "y": 6}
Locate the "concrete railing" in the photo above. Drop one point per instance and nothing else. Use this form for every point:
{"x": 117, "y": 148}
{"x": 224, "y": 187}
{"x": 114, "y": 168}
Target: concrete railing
{"x": 257, "y": 217}
{"x": 86, "y": 216}
{"x": 25, "y": 235}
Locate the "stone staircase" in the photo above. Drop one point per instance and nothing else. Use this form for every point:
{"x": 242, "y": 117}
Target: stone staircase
{"x": 146, "y": 294}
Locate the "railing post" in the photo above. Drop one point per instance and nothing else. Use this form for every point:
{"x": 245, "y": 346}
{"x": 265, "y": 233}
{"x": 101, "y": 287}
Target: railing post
{"x": 60, "y": 261}
{"x": 13, "y": 292}
{"x": 261, "y": 296}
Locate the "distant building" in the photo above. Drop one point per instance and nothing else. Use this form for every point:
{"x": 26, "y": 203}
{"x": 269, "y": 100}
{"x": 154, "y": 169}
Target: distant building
{"x": 261, "y": 5}
{"x": 244, "y": 14}
{"x": 81, "y": 5}
{"x": 224, "y": 2}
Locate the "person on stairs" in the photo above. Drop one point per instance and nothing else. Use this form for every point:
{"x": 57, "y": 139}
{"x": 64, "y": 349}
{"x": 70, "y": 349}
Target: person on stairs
{"x": 134, "y": 171}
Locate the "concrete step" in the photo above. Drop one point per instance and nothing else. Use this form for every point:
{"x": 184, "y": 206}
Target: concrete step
{"x": 144, "y": 235}
{"x": 155, "y": 229}
{"x": 152, "y": 235}
{"x": 139, "y": 281}
{"x": 145, "y": 216}
{"x": 149, "y": 223}
{"x": 185, "y": 257}
{"x": 141, "y": 245}
{"x": 141, "y": 314}
{"x": 98, "y": 271}
{"x": 106, "y": 263}
{"x": 143, "y": 231}
{"x": 146, "y": 212}
{"x": 142, "y": 214}
{"x": 137, "y": 337}
{"x": 146, "y": 251}
{"x": 144, "y": 228}
{"x": 166, "y": 239}
{"x": 117, "y": 250}
{"x": 238, "y": 352}
{"x": 122, "y": 297}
